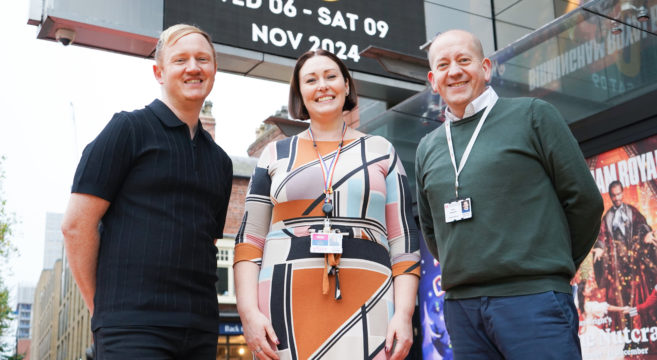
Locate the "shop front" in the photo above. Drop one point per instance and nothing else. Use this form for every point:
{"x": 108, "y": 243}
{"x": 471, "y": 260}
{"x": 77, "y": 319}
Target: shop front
{"x": 231, "y": 344}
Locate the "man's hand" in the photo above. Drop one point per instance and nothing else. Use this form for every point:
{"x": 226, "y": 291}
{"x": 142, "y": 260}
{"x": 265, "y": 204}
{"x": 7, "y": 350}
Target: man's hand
{"x": 597, "y": 254}
{"x": 651, "y": 238}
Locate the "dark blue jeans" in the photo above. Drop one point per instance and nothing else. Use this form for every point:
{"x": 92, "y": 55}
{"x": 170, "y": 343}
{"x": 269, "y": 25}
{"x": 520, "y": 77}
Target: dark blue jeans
{"x": 537, "y": 327}
{"x": 154, "y": 343}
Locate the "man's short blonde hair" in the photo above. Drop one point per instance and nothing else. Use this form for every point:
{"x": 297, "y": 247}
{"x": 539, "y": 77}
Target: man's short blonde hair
{"x": 172, "y": 34}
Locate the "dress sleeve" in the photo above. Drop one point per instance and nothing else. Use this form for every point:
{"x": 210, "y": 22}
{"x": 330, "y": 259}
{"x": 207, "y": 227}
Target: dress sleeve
{"x": 250, "y": 239}
{"x": 107, "y": 160}
{"x": 423, "y": 208}
{"x": 402, "y": 231}
{"x": 565, "y": 165}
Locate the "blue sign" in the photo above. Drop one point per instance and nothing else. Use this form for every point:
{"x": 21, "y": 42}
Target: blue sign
{"x": 230, "y": 329}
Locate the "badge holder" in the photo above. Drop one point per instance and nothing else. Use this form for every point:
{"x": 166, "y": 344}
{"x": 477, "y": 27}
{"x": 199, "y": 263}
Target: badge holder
{"x": 327, "y": 241}
{"x": 458, "y": 209}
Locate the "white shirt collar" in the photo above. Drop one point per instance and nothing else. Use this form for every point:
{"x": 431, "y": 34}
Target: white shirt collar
{"x": 488, "y": 97}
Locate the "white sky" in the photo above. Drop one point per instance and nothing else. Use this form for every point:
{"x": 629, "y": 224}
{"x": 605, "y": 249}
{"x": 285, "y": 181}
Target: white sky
{"x": 41, "y": 141}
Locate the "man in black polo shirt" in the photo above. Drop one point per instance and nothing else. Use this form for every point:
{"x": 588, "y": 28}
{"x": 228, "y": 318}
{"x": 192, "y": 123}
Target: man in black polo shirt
{"x": 149, "y": 197}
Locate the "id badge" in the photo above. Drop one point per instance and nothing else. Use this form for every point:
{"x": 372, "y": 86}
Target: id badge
{"x": 458, "y": 209}
{"x": 466, "y": 208}
{"x": 326, "y": 243}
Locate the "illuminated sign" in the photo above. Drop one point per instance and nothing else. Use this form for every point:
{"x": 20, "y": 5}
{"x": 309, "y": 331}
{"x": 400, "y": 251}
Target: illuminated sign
{"x": 230, "y": 329}
{"x": 289, "y": 28}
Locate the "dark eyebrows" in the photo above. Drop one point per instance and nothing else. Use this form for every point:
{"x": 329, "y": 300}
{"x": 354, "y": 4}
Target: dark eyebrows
{"x": 324, "y": 72}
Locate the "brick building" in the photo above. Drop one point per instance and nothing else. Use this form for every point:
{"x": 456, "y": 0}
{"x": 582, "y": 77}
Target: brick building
{"x": 279, "y": 126}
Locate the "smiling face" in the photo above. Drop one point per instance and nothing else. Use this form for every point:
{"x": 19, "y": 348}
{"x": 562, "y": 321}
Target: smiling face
{"x": 459, "y": 71}
{"x": 322, "y": 87}
{"x": 186, "y": 70}
{"x": 616, "y": 195}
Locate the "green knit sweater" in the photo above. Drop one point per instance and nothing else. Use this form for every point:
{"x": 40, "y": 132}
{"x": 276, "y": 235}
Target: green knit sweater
{"x": 536, "y": 209}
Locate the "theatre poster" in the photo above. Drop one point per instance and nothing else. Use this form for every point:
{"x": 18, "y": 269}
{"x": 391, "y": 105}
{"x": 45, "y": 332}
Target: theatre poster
{"x": 616, "y": 286}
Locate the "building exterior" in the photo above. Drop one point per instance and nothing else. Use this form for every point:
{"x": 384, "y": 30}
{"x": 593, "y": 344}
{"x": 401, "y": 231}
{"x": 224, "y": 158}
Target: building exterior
{"x": 45, "y": 314}
{"x": 280, "y": 126}
{"x": 24, "y": 303}
{"x": 61, "y": 319}
{"x": 24, "y": 300}
{"x": 52, "y": 249}
{"x": 23, "y": 348}
{"x": 73, "y": 324}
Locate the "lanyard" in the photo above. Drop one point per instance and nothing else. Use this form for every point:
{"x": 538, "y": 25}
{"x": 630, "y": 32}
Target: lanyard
{"x": 466, "y": 153}
{"x": 327, "y": 172}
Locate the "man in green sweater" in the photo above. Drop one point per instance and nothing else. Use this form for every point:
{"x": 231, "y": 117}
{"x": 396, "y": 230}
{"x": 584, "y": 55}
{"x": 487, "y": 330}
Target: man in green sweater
{"x": 534, "y": 212}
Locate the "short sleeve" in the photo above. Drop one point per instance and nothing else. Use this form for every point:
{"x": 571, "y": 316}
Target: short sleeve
{"x": 107, "y": 160}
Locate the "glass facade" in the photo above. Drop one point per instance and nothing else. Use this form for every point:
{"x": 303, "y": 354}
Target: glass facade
{"x": 593, "y": 58}
{"x": 24, "y": 316}
{"x": 233, "y": 346}
{"x": 596, "y": 57}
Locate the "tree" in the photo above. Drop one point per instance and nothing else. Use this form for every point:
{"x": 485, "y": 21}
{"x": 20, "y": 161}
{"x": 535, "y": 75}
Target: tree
{"x": 16, "y": 357}
{"x": 6, "y": 249}
{"x": 6, "y": 221}
{"x": 5, "y": 314}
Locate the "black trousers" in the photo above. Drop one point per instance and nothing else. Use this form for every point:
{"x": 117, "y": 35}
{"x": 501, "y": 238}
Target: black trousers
{"x": 154, "y": 343}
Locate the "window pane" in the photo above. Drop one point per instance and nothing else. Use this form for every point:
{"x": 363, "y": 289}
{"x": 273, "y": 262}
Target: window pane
{"x": 508, "y": 33}
{"x": 542, "y": 12}
{"x": 441, "y": 18}
{"x": 222, "y": 283}
{"x": 236, "y": 339}
{"x": 478, "y": 7}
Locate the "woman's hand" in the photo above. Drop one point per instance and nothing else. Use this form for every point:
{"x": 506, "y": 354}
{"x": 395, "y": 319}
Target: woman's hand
{"x": 259, "y": 334}
{"x": 399, "y": 336}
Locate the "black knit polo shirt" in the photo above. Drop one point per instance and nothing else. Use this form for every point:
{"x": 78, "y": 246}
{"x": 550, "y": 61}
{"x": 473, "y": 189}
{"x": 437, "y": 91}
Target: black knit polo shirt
{"x": 169, "y": 196}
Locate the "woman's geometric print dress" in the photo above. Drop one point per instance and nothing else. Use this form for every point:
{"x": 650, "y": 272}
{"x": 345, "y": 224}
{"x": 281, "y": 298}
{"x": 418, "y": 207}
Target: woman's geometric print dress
{"x": 371, "y": 208}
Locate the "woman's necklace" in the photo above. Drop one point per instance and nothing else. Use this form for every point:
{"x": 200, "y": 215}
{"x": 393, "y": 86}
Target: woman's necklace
{"x": 327, "y": 172}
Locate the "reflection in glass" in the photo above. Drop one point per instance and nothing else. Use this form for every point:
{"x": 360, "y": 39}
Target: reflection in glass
{"x": 591, "y": 59}
{"x": 579, "y": 64}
